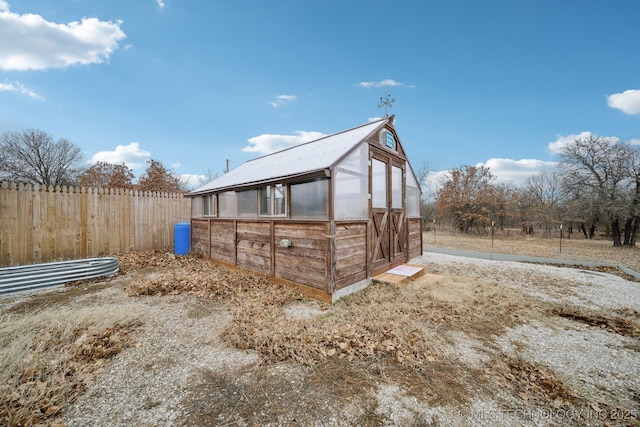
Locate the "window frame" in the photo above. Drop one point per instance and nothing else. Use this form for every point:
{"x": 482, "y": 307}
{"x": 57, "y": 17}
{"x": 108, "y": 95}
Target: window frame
{"x": 324, "y": 185}
{"x": 245, "y": 199}
{"x": 388, "y": 140}
{"x": 272, "y": 200}
{"x": 207, "y": 201}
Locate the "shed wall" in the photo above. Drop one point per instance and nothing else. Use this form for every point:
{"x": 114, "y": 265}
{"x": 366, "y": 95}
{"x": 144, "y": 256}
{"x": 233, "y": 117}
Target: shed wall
{"x": 307, "y": 260}
{"x": 200, "y": 236}
{"x": 253, "y": 245}
{"x": 415, "y": 237}
{"x": 223, "y": 241}
{"x": 350, "y": 253}
{"x": 256, "y": 245}
{"x": 323, "y": 256}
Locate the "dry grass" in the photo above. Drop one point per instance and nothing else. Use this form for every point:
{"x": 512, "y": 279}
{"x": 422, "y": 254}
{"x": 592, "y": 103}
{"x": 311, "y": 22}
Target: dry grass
{"x": 393, "y": 335}
{"x": 358, "y": 327}
{"x": 515, "y": 242}
{"x": 383, "y": 333}
{"x": 47, "y": 357}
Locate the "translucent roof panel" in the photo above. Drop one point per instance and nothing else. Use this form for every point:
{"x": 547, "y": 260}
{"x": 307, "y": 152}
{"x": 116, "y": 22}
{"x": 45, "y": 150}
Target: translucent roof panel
{"x": 302, "y": 159}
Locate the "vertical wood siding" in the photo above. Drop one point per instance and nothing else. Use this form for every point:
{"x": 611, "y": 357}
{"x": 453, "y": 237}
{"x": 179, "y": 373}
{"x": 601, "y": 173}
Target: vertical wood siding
{"x": 43, "y": 224}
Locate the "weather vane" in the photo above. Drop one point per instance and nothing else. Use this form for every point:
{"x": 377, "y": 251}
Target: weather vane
{"x": 387, "y": 101}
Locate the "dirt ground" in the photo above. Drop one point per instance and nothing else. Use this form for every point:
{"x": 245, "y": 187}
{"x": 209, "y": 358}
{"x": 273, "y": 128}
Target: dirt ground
{"x": 473, "y": 342}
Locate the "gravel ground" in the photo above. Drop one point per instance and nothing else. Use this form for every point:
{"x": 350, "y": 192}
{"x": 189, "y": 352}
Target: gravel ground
{"x": 593, "y": 360}
{"x": 179, "y": 370}
{"x": 147, "y": 383}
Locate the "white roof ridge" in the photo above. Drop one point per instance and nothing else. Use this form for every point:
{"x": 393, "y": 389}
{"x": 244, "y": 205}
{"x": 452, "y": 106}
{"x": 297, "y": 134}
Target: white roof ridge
{"x": 316, "y": 140}
{"x": 298, "y": 160}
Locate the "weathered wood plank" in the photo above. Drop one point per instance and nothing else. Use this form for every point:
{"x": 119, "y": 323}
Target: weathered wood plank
{"x": 6, "y": 228}
{"x": 298, "y": 252}
{"x": 358, "y": 260}
{"x": 349, "y": 270}
{"x": 287, "y": 261}
{"x": 415, "y": 237}
{"x": 200, "y": 243}
{"x": 350, "y": 280}
{"x": 350, "y": 229}
{"x": 312, "y": 281}
{"x": 253, "y": 261}
{"x": 300, "y": 230}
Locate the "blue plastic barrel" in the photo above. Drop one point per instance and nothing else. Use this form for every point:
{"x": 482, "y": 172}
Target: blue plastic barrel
{"x": 182, "y": 237}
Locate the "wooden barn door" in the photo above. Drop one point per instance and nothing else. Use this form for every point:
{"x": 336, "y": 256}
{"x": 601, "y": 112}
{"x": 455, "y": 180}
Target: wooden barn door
{"x": 387, "y": 214}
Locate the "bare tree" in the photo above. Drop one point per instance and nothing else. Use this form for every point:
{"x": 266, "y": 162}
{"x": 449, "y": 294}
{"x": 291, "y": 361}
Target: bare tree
{"x": 32, "y": 156}
{"x": 207, "y": 177}
{"x": 597, "y": 172}
{"x": 427, "y": 203}
{"x": 632, "y": 224}
{"x": 540, "y": 200}
{"x": 504, "y": 210}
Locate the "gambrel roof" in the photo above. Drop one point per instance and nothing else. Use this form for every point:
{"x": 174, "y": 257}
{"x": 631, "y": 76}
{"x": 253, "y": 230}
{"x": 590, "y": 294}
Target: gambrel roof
{"x": 301, "y": 160}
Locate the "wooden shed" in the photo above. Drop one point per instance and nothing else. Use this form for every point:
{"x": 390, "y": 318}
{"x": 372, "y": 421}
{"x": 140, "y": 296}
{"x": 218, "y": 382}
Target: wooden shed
{"x": 325, "y": 216}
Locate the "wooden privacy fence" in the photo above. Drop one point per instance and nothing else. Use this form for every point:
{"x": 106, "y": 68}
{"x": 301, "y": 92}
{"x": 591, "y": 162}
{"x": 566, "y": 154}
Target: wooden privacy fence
{"x": 43, "y": 224}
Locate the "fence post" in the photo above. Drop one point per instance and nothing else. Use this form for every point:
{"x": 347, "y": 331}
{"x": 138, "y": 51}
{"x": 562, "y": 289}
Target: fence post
{"x": 83, "y": 220}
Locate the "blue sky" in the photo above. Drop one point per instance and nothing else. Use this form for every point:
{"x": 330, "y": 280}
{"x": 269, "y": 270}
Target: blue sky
{"x": 193, "y": 83}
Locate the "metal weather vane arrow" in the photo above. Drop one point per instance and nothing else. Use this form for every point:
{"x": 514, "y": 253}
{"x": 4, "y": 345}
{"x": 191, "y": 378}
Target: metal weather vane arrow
{"x": 387, "y": 101}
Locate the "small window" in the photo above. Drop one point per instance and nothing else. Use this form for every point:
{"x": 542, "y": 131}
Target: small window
{"x": 389, "y": 141}
{"x": 209, "y": 205}
{"x": 273, "y": 200}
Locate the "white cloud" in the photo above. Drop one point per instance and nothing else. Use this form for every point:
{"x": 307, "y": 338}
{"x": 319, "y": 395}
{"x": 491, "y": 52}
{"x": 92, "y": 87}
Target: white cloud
{"x": 131, "y": 155}
{"x": 267, "y": 143}
{"x": 20, "y": 88}
{"x": 511, "y": 171}
{"x": 558, "y": 145}
{"x": 43, "y": 44}
{"x": 161, "y": 4}
{"x": 627, "y": 101}
{"x": 516, "y": 171}
{"x": 192, "y": 181}
{"x": 432, "y": 183}
{"x": 283, "y": 100}
{"x": 383, "y": 83}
